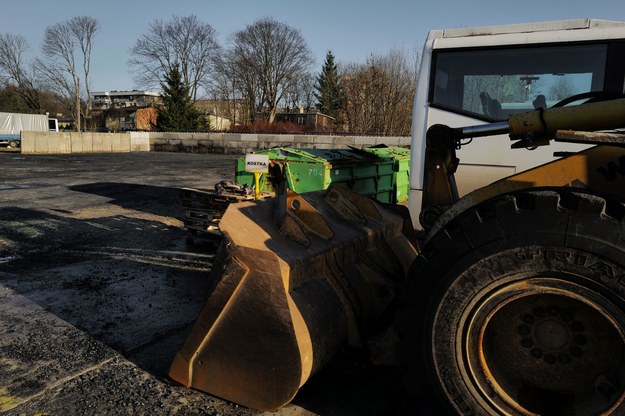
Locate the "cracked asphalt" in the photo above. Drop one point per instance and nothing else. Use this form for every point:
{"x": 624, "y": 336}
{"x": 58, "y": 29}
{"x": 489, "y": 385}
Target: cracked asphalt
{"x": 98, "y": 290}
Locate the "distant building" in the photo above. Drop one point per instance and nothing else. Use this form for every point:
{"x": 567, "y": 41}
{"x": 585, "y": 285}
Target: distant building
{"x": 145, "y": 118}
{"x": 65, "y": 123}
{"x": 313, "y": 121}
{"x": 123, "y": 99}
{"x": 223, "y": 113}
{"x": 124, "y": 110}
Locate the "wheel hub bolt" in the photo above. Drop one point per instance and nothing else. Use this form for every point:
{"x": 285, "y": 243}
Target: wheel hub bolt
{"x": 551, "y": 334}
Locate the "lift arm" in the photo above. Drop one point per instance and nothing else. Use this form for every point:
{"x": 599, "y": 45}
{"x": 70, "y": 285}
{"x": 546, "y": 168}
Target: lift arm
{"x": 527, "y": 130}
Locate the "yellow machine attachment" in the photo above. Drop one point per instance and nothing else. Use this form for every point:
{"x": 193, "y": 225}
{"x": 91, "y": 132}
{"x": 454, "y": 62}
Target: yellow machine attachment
{"x": 302, "y": 275}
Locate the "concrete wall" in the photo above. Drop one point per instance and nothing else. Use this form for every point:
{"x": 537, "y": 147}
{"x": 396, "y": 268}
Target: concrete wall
{"x": 229, "y": 143}
{"x": 236, "y": 143}
{"x": 71, "y": 142}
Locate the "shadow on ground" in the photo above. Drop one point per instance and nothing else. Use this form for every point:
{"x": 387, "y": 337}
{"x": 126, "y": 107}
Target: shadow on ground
{"x": 128, "y": 282}
{"x": 156, "y": 200}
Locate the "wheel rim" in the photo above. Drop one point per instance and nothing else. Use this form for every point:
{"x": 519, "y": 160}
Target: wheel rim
{"x": 546, "y": 346}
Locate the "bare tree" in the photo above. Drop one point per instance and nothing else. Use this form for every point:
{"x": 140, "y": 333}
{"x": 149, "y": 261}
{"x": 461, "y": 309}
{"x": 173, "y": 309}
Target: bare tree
{"x": 183, "y": 41}
{"x": 561, "y": 89}
{"x": 84, "y": 29}
{"x": 228, "y": 84}
{"x": 272, "y": 54}
{"x": 60, "y": 68}
{"x": 67, "y": 46}
{"x": 17, "y": 72}
{"x": 379, "y": 94}
{"x": 302, "y": 92}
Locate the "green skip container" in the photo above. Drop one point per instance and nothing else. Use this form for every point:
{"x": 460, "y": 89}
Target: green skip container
{"x": 378, "y": 172}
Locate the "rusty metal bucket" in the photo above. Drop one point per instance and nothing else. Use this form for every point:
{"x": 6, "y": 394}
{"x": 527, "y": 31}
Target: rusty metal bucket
{"x": 302, "y": 275}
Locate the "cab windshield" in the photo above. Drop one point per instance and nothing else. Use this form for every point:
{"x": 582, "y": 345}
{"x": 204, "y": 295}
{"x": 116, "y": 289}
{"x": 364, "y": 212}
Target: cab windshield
{"x": 491, "y": 84}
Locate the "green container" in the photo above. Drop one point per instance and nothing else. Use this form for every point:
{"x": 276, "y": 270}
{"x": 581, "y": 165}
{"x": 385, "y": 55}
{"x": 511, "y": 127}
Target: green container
{"x": 372, "y": 173}
{"x": 401, "y": 167}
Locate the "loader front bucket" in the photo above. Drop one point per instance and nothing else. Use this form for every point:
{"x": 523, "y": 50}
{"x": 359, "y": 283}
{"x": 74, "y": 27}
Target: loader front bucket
{"x": 303, "y": 274}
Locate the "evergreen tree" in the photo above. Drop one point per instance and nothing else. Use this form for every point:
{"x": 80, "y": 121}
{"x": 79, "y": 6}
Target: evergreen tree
{"x": 177, "y": 112}
{"x": 328, "y": 91}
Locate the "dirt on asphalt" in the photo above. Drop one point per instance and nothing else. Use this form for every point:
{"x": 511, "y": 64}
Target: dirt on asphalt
{"x": 98, "y": 290}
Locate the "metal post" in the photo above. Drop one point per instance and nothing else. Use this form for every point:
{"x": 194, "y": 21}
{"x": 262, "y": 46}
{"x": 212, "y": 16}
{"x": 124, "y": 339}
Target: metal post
{"x": 78, "y": 104}
{"x": 256, "y": 185}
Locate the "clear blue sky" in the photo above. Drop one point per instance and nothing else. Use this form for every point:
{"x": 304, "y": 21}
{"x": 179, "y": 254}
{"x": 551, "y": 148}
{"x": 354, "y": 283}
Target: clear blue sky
{"x": 352, "y": 29}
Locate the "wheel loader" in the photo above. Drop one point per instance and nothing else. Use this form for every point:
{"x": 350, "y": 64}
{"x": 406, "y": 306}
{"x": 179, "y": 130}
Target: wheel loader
{"x": 512, "y": 265}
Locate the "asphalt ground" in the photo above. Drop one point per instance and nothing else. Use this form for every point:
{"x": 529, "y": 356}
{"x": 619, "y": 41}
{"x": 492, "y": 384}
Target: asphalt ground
{"x": 98, "y": 290}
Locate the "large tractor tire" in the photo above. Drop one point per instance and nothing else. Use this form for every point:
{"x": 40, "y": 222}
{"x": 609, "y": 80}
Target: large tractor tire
{"x": 524, "y": 305}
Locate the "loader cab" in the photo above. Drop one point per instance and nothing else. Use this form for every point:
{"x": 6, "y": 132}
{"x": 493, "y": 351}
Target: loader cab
{"x": 473, "y": 76}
